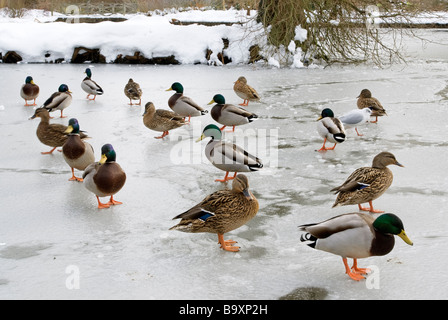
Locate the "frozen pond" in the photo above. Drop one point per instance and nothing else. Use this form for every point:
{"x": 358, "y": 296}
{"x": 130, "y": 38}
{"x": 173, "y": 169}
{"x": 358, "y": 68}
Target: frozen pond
{"x": 52, "y": 231}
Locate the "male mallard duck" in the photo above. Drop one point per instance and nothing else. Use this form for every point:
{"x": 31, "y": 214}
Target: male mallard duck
{"x": 53, "y": 134}
{"x": 133, "y": 91}
{"x": 59, "y": 100}
{"x": 367, "y": 183}
{"x": 366, "y": 100}
{"x": 182, "y": 105}
{"x": 354, "y": 118}
{"x": 77, "y": 153}
{"x": 227, "y": 156}
{"x": 29, "y": 91}
{"x": 330, "y": 128}
{"x": 105, "y": 178}
{"x": 221, "y": 212}
{"x": 90, "y": 86}
{"x": 245, "y": 91}
{"x": 356, "y": 236}
{"x": 229, "y": 114}
{"x": 161, "y": 120}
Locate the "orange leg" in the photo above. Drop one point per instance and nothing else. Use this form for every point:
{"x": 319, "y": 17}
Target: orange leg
{"x": 94, "y": 97}
{"x": 49, "y": 152}
{"x": 130, "y": 102}
{"x": 187, "y": 121}
{"x": 222, "y": 128}
{"x": 113, "y": 202}
{"x": 165, "y": 133}
{"x": 325, "y": 149}
{"x": 73, "y": 178}
{"x": 88, "y": 96}
{"x": 245, "y": 103}
{"x": 102, "y": 205}
{"x": 370, "y": 209}
{"x": 140, "y": 102}
{"x": 227, "y": 244}
{"x": 28, "y": 105}
{"x": 226, "y": 178}
{"x": 62, "y": 115}
{"x": 359, "y": 270}
{"x": 359, "y": 134}
{"x": 351, "y": 274}
{"x": 375, "y": 121}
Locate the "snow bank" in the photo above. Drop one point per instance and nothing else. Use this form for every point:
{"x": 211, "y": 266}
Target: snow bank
{"x": 36, "y": 34}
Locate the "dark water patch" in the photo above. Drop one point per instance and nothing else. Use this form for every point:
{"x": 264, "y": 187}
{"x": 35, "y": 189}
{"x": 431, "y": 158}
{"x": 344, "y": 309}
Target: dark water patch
{"x": 306, "y": 293}
{"x": 17, "y": 252}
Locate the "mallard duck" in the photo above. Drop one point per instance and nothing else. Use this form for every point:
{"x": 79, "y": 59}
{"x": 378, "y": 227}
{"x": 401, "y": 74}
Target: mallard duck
{"x": 133, "y": 91}
{"x": 77, "y": 153}
{"x": 59, "y": 100}
{"x": 161, "y": 120}
{"x": 105, "y": 178}
{"x": 366, "y": 100}
{"x": 51, "y": 134}
{"x": 182, "y": 105}
{"x": 90, "y": 86}
{"x": 229, "y": 114}
{"x": 356, "y": 236}
{"x": 354, "y": 118}
{"x": 367, "y": 183}
{"x": 330, "y": 128}
{"x": 29, "y": 91}
{"x": 245, "y": 91}
{"x": 221, "y": 212}
{"x": 227, "y": 156}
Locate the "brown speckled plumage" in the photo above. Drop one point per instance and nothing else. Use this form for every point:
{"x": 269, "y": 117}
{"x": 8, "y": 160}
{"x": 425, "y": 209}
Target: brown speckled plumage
{"x": 161, "y": 120}
{"x": 365, "y": 100}
{"x": 51, "y": 134}
{"x": 367, "y": 183}
{"x": 245, "y": 91}
{"x": 221, "y": 211}
{"x": 133, "y": 91}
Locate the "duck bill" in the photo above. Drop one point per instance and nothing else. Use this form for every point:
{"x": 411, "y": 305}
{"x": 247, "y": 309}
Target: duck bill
{"x": 399, "y": 164}
{"x": 200, "y": 138}
{"x": 69, "y": 129}
{"x": 247, "y": 194}
{"x": 320, "y": 118}
{"x": 405, "y": 238}
{"x": 213, "y": 101}
{"x": 32, "y": 82}
{"x": 103, "y": 159}
{"x": 169, "y": 89}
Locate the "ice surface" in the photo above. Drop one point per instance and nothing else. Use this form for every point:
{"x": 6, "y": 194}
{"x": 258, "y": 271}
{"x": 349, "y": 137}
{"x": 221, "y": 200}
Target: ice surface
{"x": 52, "y": 233}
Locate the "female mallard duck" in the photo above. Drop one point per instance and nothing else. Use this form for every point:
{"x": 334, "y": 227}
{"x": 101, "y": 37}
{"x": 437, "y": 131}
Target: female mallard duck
{"x": 133, "y": 91}
{"x": 105, "y": 178}
{"x": 356, "y": 236}
{"x": 59, "y": 100}
{"x": 77, "y": 153}
{"x": 221, "y": 212}
{"x": 229, "y": 114}
{"x": 53, "y": 134}
{"x": 90, "y": 86}
{"x": 29, "y": 91}
{"x": 330, "y": 128}
{"x": 182, "y": 105}
{"x": 161, "y": 120}
{"x": 245, "y": 91}
{"x": 365, "y": 100}
{"x": 354, "y": 118}
{"x": 367, "y": 183}
{"x": 228, "y": 156}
